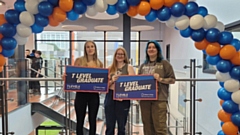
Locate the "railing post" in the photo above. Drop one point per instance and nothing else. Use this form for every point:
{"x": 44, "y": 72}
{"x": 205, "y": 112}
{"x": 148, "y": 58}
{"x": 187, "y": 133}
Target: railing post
{"x": 46, "y": 74}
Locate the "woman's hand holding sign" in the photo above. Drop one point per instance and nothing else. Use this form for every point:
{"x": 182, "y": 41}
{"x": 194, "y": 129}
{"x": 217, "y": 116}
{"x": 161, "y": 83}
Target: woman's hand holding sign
{"x": 64, "y": 76}
{"x": 157, "y": 77}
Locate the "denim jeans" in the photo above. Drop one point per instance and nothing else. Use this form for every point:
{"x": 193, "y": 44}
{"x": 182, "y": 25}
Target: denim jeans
{"x": 115, "y": 111}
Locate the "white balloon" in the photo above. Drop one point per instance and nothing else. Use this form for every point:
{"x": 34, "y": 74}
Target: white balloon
{"x": 171, "y": 22}
{"x": 20, "y": 40}
{"x": 220, "y": 26}
{"x": 236, "y": 97}
{"x": 231, "y": 85}
{"x": 23, "y": 31}
{"x": 91, "y": 11}
{"x": 182, "y": 22}
{"x": 222, "y": 77}
{"x": 196, "y": 22}
{"x": 210, "y": 21}
{"x": 26, "y": 18}
{"x": 100, "y": 6}
{"x": 32, "y": 6}
{"x": 111, "y": 2}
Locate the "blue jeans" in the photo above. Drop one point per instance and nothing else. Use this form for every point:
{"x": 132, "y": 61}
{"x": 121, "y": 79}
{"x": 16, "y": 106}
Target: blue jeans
{"x": 115, "y": 111}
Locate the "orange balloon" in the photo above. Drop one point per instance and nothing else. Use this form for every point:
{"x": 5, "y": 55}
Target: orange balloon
{"x": 2, "y": 60}
{"x": 229, "y": 128}
{"x": 183, "y": 1}
{"x": 66, "y": 5}
{"x": 236, "y": 59}
{"x": 144, "y": 8}
{"x": 227, "y": 52}
{"x": 0, "y": 48}
{"x": 202, "y": 45}
{"x": 213, "y": 49}
{"x": 52, "y": 22}
{"x": 221, "y": 102}
{"x": 223, "y": 116}
{"x": 2, "y": 19}
{"x": 1, "y": 36}
{"x": 132, "y": 11}
{"x": 169, "y": 3}
{"x": 156, "y": 4}
{"x": 59, "y": 15}
{"x": 1, "y": 69}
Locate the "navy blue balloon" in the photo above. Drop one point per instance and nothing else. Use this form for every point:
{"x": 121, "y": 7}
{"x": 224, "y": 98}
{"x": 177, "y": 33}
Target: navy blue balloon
{"x": 191, "y": 8}
{"x": 7, "y": 53}
{"x": 213, "y": 60}
{"x": 72, "y": 15}
{"x": 221, "y": 84}
{"x": 236, "y": 119}
{"x": 122, "y": 6}
{"x": 89, "y": 2}
{"x": 198, "y": 35}
{"x": 186, "y": 33}
{"x": 177, "y": 9}
{"x": 19, "y": 6}
{"x": 225, "y": 37}
{"x": 45, "y": 8}
{"x": 204, "y": 52}
{"x": 8, "y": 30}
{"x": 230, "y": 107}
{"x": 79, "y": 7}
{"x": 8, "y": 43}
{"x": 111, "y": 10}
{"x": 202, "y": 11}
{"x": 221, "y": 133}
{"x": 164, "y": 14}
{"x": 151, "y": 16}
{"x": 235, "y": 72}
{"x": 36, "y": 28}
{"x": 224, "y": 66}
{"x": 221, "y": 123}
{"x": 236, "y": 43}
{"x": 212, "y": 35}
{"x": 54, "y": 2}
{"x": 12, "y": 16}
{"x": 133, "y": 2}
{"x": 224, "y": 94}
{"x": 41, "y": 20}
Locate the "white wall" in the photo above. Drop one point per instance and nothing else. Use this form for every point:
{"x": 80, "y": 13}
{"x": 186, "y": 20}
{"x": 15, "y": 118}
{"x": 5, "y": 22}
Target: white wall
{"x": 181, "y": 51}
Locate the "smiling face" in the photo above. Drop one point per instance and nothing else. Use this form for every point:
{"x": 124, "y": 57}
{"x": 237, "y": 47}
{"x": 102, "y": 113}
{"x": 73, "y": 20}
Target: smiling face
{"x": 90, "y": 48}
{"x": 120, "y": 55}
{"x": 152, "y": 50}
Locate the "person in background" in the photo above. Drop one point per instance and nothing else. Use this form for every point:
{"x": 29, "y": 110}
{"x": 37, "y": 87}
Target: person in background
{"x": 86, "y": 99}
{"x": 154, "y": 112}
{"x": 117, "y": 110}
{"x": 33, "y": 53}
{"x": 36, "y": 72}
{"x": 27, "y": 53}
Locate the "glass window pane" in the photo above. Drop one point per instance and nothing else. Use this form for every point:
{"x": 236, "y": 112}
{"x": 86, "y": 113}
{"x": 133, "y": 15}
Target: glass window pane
{"x": 53, "y": 35}
{"x": 88, "y": 35}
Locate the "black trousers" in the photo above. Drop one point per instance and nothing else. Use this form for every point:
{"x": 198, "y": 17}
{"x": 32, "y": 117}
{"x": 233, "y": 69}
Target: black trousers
{"x": 82, "y": 101}
{"x": 115, "y": 111}
{"x": 34, "y": 84}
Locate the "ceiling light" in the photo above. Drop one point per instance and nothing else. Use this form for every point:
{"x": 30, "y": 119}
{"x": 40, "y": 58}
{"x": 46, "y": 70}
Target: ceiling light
{"x": 2, "y": 3}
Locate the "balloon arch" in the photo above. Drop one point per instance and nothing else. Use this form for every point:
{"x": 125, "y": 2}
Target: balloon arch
{"x": 192, "y": 20}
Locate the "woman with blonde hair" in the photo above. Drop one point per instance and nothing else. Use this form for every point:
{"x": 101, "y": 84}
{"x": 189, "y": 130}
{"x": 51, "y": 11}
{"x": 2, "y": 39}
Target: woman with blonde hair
{"x": 86, "y": 99}
{"x": 117, "y": 110}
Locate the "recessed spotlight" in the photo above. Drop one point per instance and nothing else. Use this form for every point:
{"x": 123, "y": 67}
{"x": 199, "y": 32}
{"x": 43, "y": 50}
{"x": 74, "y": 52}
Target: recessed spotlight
{"x": 2, "y": 3}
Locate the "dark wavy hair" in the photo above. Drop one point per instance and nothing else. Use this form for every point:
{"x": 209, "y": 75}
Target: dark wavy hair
{"x": 159, "y": 54}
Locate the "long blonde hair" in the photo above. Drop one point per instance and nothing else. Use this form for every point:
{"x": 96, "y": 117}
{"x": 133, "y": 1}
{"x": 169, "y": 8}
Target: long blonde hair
{"x": 113, "y": 67}
{"x": 84, "y": 59}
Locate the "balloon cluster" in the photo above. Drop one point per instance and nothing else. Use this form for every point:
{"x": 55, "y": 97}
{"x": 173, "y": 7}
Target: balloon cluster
{"x": 192, "y": 21}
